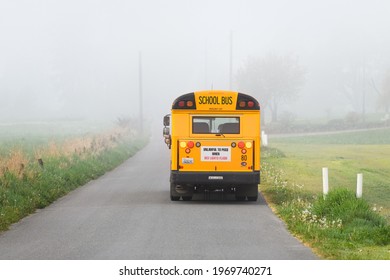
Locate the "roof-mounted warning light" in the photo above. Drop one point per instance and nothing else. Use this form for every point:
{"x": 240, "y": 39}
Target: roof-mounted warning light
{"x": 186, "y": 101}
{"x": 246, "y": 102}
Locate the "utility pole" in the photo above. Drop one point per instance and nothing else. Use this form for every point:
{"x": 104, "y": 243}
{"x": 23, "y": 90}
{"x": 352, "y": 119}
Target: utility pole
{"x": 231, "y": 61}
{"x": 364, "y": 92}
{"x": 141, "y": 126}
{"x": 205, "y": 65}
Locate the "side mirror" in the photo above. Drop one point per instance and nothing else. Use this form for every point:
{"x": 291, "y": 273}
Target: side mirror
{"x": 167, "y": 120}
{"x": 166, "y": 131}
{"x": 167, "y": 141}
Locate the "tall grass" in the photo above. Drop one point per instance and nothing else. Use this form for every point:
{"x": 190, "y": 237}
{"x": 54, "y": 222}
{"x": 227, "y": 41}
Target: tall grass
{"x": 33, "y": 179}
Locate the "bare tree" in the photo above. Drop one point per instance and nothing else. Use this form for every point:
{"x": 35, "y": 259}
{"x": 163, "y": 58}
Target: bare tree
{"x": 354, "y": 84}
{"x": 274, "y": 79}
{"x": 384, "y": 95}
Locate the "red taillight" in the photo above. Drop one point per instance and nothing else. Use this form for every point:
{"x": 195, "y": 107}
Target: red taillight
{"x": 246, "y": 102}
{"x": 243, "y": 151}
{"x": 183, "y": 104}
{"x": 241, "y": 145}
{"x": 190, "y": 144}
{"x": 188, "y": 151}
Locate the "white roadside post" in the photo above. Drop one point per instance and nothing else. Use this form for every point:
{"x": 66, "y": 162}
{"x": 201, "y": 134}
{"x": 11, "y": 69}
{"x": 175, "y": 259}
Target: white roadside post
{"x": 359, "y": 187}
{"x": 264, "y": 138}
{"x": 325, "y": 181}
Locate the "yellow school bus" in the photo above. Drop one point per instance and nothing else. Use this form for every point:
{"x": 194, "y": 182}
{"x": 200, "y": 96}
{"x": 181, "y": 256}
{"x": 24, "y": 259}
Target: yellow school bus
{"x": 214, "y": 137}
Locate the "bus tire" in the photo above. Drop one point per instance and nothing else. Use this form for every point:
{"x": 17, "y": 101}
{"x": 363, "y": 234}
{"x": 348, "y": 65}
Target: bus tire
{"x": 174, "y": 194}
{"x": 240, "y": 198}
{"x": 253, "y": 192}
{"x": 253, "y": 198}
{"x": 240, "y": 194}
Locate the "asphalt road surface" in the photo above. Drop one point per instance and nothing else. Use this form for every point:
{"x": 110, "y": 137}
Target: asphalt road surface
{"x": 128, "y": 214}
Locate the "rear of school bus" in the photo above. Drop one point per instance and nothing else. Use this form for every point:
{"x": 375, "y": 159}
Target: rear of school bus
{"x": 214, "y": 138}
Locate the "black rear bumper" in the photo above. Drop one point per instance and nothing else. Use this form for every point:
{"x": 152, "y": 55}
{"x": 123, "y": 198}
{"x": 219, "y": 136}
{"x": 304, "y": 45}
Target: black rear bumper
{"x": 215, "y": 178}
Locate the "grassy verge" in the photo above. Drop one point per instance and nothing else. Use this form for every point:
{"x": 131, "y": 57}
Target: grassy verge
{"x": 34, "y": 179}
{"x": 340, "y": 226}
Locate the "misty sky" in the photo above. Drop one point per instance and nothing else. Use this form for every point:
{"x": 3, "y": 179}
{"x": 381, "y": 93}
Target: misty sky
{"x": 79, "y": 59}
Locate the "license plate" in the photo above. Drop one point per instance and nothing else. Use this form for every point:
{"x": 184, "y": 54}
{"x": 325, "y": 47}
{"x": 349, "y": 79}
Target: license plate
{"x": 187, "y": 160}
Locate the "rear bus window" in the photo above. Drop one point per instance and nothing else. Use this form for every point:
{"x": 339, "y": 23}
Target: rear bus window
{"x": 215, "y": 125}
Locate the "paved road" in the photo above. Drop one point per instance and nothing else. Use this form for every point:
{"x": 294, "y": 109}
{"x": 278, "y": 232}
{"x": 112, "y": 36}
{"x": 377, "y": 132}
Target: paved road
{"x": 127, "y": 214}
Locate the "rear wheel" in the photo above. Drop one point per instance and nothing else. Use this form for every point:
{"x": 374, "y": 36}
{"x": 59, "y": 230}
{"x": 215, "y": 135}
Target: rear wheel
{"x": 253, "y": 192}
{"x": 240, "y": 194}
{"x": 184, "y": 191}
{"x": 175, "y": 198}
{"x": 240, "y": 198}
{"x": 174, "y": 195}
{"x": 253, "y": 198}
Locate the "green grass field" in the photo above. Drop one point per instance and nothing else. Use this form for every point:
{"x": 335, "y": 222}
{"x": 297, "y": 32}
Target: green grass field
{"x": 345, "y": 155}
{"x": 292, "y": 181}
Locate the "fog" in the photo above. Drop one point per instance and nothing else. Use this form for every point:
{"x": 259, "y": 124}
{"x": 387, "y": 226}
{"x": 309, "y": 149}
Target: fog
{"x": 79, "y": 59}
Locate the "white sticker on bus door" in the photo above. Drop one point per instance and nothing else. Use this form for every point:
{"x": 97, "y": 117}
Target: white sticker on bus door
{"x": 215, "y": 153}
